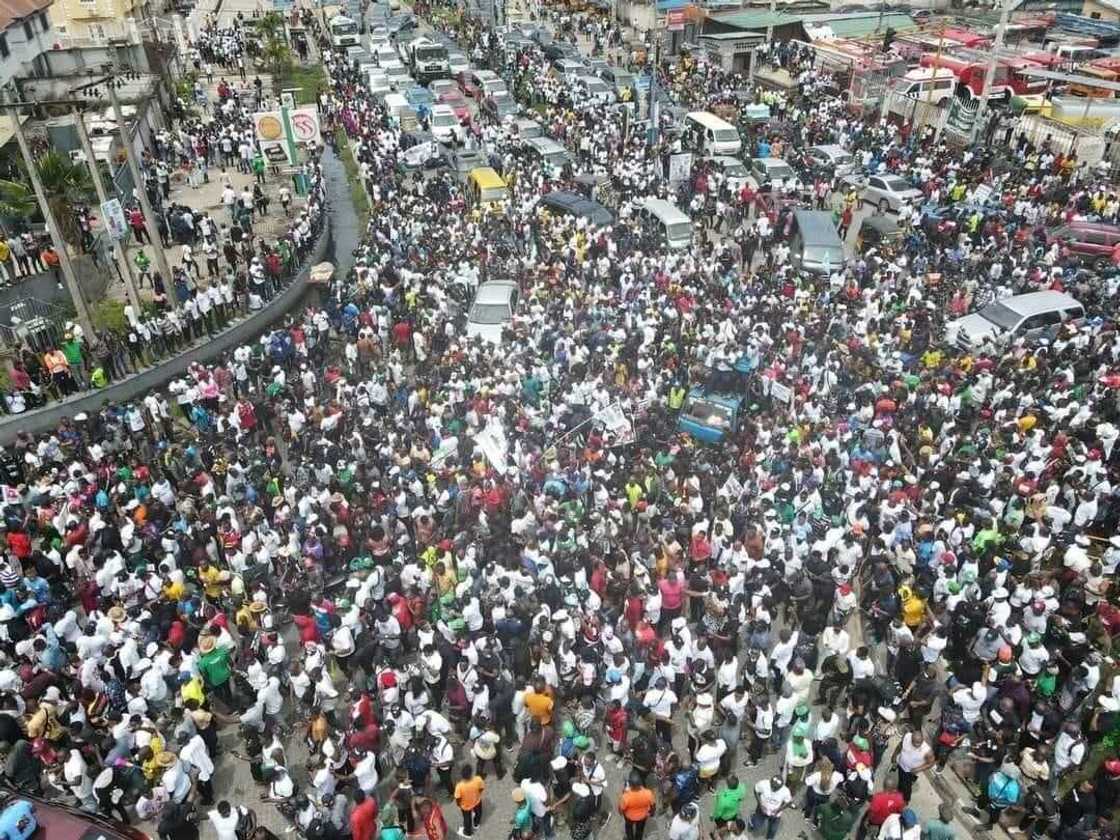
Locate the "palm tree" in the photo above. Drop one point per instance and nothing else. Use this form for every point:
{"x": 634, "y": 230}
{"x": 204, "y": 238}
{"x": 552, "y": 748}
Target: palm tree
{"x": 66, "y": 183}
{"x": 276, "y": 56}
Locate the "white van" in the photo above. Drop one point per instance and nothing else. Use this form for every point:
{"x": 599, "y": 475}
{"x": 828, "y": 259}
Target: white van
{"x": 711, "y": 135}
{"x": 667, "y": 219}
{"x": 1033, "y": 316}
{"x": 928, "y": 84}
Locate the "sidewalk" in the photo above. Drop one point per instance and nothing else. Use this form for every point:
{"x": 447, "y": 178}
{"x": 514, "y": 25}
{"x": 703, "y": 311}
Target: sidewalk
{"x": 207, "y": 198}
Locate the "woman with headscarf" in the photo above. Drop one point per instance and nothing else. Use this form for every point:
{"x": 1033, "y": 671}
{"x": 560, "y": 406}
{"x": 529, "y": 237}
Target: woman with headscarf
{"x": 23, "y": 770}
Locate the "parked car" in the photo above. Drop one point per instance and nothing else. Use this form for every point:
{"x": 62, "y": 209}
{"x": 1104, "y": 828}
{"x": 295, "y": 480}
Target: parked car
{"x": 574, "y": 204}
{"x": 464, "y": 161}
{"x": 499, "y": 106}
{"x": 471, "y": 82}
{"x": 457, "y": 64}
{"x": 1088, "y": 241}
{"x": 830, "y": 160}
{"x": 773, "y": 173}
{"x": 620, "y": 80}
{"x": 398, "y": 76}
{"x": 1032, "y": 316}
{"x": 889, "y": 192}
{"x": 62, "y": 822}
{"x": 593, "y": 89}
{"x": 401, "y": 25}
{"x": 493, "y": 308}
{"x": 734, "y": 171}
{"x": 438, "y": 87}
{"x": 457, "y": 103}
{"x": 420, "y": 99}
{"x": 445, "y": 126}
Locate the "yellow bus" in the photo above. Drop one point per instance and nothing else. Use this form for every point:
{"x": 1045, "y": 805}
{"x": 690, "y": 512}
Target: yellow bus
{"x": 485, "y": 186}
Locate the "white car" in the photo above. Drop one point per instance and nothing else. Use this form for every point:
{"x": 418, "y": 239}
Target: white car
{"x": 398, "y": 77}
{"x": 379, "y": 83}
{"x": 889, "y": 192}
{"x": 1033, "y": 316}
{"x": 445, "y": 126}
{"x": 493, "y": 308}
{"x": 734, "y": 171}
{"x": 457, "y": 63}
{"x": 593, "y": 89}
{"x": 773, "y": 174}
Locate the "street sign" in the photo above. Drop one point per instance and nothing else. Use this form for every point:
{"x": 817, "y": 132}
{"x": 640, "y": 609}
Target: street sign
{"x": 675, "y": 20}
{"x": 113, "y": 215}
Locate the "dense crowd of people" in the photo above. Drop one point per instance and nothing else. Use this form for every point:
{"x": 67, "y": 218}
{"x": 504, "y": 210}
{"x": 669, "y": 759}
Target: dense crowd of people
{"x": 399, "y": 562}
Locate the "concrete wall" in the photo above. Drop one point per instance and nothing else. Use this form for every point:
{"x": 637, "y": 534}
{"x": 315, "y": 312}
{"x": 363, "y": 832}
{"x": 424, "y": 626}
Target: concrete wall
{"x": 1100, "y": 11}
{"x": 22, "y": 50}
{"x": 47, "y": 419}
{"x": 69, "y": 62}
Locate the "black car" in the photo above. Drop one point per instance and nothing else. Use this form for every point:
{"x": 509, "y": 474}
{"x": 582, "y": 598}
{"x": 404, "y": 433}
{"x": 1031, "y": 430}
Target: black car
{"x": 401, "y": 24}
{"x": 574, "y": 204}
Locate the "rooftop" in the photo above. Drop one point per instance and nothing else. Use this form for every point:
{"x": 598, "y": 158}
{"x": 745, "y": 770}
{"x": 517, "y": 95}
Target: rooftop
{"x": 13, "y": 11}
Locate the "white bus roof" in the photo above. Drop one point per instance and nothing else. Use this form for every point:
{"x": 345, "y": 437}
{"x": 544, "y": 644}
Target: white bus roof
{"x": 708, "y": 120}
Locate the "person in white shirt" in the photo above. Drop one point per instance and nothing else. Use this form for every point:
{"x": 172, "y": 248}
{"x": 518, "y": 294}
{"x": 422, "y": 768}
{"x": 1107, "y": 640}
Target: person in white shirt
{"x": 772, "y": 797}
{"x": 225, "y": 819}
{"x": 660, "y": 700}
{"x": 686, "y": 824}
{"x": 915, "y": 756}
{"x": 195, "y": 757}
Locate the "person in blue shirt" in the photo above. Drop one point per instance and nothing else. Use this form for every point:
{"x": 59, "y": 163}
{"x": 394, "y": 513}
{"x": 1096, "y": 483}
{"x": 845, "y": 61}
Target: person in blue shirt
{"x": 17, "y": 821}
{"x": 49, "y": 650}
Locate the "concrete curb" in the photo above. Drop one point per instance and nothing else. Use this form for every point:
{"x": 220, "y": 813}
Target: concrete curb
{"x": 139, "y": 384}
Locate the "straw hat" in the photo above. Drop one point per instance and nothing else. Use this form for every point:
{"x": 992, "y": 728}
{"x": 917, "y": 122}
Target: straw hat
{"x": 165, "y": 759}
{"x": 258, "y": 607}
{"x": 117, "y": 615}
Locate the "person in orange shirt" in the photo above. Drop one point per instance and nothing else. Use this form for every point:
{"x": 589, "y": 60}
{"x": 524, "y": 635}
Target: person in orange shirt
{"x": 468, "y": 796}
{"x": 635, "y": 805}
{"x": 539, "y": 703}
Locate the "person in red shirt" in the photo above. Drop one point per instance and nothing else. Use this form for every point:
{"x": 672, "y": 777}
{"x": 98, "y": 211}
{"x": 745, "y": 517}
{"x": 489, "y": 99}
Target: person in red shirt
{"x": 884, "y": 803}
{"x": 363, "y": 819}
{"x": 616, "y": 721}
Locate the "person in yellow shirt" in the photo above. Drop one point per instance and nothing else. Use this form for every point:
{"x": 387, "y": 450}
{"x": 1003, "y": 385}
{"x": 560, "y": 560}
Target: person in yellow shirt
{"x": 172, "y": 590}
{"x": 211, "y": 578}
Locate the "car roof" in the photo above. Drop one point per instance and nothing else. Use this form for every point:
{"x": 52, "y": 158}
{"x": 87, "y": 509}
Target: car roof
{"x": 495, "y": 291}
{"x": 769, "y": 162}
{"x": 725, "y": 160}
{"x": 1033, "y": 303}
{"x": 831, "y": 149}
{"x": 63, "y": 822}
{"x": 579, "y": 205}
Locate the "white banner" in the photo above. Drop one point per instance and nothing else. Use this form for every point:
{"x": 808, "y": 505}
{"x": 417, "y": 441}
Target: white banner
{"x": 113, "y": 215}
{"x": 620, "y": 431}
{"x": 680, "y": 167}
{"x": 781, "y": 393}
{"x": 492, "y": 442}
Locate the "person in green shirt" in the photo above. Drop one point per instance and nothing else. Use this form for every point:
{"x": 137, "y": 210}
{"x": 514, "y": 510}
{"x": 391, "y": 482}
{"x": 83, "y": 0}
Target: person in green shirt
{"x": 836, "y": 818}
{"x": 215, "y": 668}
{"x": 728, "y": 801}
{"x": 72, "y": 350}
{"x": 258, "y": 167}
{"x": 940, "y": 828}
{"x": 523, "y": 815}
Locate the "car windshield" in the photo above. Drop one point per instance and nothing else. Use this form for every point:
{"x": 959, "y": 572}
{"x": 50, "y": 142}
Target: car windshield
{"x": 624, "y": 79}
{"x": 557, "y": 158}
{"x": 726, "y": 135}
{"x": 444, "y": 120}
{"x": 708, "y": 413}
{"x": 735, "y": 170}
{"x": 679, "y": 230}
{"x": 494, "y": 194}
{"x": 344, "y": 28}
{"x": 433, "y": 53}
{"x": 490, "y": 313}
{"x": 896, "y": 185}
{"x": 1000, "y": 315}
{"x": 780, "y": 171}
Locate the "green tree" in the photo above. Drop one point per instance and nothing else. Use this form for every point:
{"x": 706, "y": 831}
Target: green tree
{"x": 276, "y": 57}
{"x": 66, "y": 183}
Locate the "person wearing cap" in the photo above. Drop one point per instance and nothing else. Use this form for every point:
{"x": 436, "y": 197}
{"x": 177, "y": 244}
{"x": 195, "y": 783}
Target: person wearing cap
{"x": 728, "y": 802}
{"x": 835, "y": 818}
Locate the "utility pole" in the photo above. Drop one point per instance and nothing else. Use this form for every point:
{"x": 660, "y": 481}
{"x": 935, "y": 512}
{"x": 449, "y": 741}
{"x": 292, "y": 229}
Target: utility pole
{"x": 770, "y": 22}
{"x": 929, "y": 91}
{"x": 57, "y": 241}
{"x": 103, "y": 197}
{"x": 990, "y": 75}
{"x": 142, "y": 194}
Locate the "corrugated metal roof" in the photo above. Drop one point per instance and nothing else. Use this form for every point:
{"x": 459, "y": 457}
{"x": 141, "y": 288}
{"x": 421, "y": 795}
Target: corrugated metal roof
{"x": 863, "y": 25}
{"x": 756, "y": 20}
